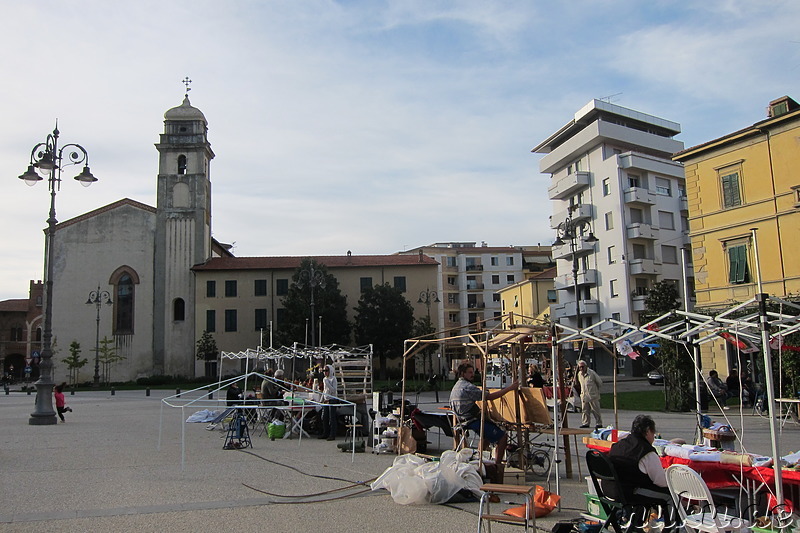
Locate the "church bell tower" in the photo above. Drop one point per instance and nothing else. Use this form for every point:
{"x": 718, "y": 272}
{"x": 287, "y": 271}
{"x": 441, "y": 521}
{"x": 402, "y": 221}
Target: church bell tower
{"x": 183, "y": 235}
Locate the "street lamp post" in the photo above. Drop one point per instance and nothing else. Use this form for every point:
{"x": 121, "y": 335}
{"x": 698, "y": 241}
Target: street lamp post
{"x": 572, "y": 230}
{"x": 313, "y": 278}
{"x": 98, "y": 298}
{"x": 47, "y": 162}
{"x": 428, "y": 297}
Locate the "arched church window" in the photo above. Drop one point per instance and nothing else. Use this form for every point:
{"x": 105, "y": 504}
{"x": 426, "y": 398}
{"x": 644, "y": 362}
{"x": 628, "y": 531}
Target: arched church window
{"x": 124, "y": 291}
{"x": 181, "y": 164}
{"x": 178, "y": 309}
{"x": 38, "y": 334}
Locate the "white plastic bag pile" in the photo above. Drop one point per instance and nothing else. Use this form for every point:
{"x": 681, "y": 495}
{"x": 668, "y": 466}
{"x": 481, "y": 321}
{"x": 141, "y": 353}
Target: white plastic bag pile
{"x": 412, "y": 480}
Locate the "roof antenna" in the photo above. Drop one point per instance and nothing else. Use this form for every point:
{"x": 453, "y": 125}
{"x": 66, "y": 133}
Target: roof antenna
{"x": 607, "y": 99}
{"x": 186, "y": 81}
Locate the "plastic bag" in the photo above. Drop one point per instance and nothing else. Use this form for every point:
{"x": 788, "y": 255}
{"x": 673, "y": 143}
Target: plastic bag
{"x": 276, "y": 429}
{"x": 543, "y": 504}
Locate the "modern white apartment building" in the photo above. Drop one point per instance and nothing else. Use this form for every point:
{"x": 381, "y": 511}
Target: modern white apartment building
{"x": 470, "y": 277}
{"x": 611, "y": 175}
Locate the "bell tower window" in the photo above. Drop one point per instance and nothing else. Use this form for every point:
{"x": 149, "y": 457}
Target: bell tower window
{"x": 181, "y": 164}
{"x": 178, "y": 310}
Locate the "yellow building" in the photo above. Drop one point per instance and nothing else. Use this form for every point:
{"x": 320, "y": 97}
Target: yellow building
{"x": 743, "y": 180}
{"x": 531, "y": 297}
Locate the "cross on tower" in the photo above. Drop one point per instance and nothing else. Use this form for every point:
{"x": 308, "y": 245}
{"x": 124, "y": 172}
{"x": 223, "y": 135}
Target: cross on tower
{"x": 186, "y": 81}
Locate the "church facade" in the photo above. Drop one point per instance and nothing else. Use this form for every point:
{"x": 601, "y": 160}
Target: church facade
{"x": 142, "y": 256}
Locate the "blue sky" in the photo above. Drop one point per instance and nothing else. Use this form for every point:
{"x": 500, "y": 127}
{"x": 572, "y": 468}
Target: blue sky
{"x": 369, "y": 126}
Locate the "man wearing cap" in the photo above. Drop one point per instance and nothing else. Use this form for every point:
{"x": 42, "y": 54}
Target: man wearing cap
{"x": 590, "y": 384}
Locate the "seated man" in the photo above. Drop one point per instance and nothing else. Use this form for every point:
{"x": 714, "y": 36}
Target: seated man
{"x": 717, "y": 387}
{"x": 638, "y": 466}
{"x": 462, "y": 400}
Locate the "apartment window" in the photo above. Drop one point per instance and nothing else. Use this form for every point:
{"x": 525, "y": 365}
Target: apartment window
{"x": 281, "y": 287}
{"x": 495, "y": 297}
{"x": 616, "y": 316}
{"x": 731, "y": 189}
{"x": 606, "y": 186}
{"x": 639, "y": 251}
{"x": 613, "y": 287}
{"x": 400, "y": 283}
{"x": 230, "y": 320}
{"x": 637, "y": 216}
{"x": 666, "y": 220}
{"x": 611, "y": 253}
{"x": 211, "y": 321}
{"x": 552, "y": 296}
{"x": 510, "y": 261}
{"x": 453, "y": 317}
{"x": 450, "y": 261}
{"x": 472, "y": 283}
{"x": 739, "y": 272}
{"x": 669, "y": 254}
{"x": 365, "y": 283}
{"x": 451, "y": 280}
{"x": 230, "y": 288}
{"x": 641, "y": 287}
{"x": 260, "y": 319}
{"x": 452, "y": 298}
{"x": 494, "y": 260}
{"x": 260, "y": 287}
{"x": 684, "y": 224}
{"x": 634, "y": 180}
{"x": 609, "y": 220}
{"x": 495, "y": 279}
{"x": 510, "y": 278}
{"x": 663, "y": 187}
{"x": 211, "y": 289}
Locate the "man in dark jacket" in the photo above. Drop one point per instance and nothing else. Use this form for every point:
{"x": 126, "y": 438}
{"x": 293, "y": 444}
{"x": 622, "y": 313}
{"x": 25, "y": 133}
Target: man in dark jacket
{"x": 638, "y": 466}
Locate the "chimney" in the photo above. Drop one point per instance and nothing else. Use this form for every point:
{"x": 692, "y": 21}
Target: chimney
{"x": 420, "y": 256}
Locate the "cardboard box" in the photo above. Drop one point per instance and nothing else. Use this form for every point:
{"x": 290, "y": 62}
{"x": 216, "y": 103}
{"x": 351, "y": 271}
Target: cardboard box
{"x": 514, "y": 476}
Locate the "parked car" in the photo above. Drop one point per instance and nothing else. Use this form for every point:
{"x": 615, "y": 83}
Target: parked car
{"x": 655, "y": 377}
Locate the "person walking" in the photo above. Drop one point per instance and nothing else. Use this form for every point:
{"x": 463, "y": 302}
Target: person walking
{"x": 329, "y": 412}
{"x": 61, "y": 403}
{"x": 590, "y": 384}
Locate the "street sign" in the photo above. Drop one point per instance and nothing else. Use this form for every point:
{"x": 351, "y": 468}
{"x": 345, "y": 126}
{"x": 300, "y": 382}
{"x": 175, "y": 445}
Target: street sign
{"x": 35, "y": 353}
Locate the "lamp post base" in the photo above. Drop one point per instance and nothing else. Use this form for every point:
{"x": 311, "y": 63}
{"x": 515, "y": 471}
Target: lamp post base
{"x": 44, "y": 415}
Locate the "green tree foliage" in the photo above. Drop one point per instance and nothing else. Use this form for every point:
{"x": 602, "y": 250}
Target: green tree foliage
{"x": 384, "y": 318}
{"x": 207, "y": 351}
{"x": 329, "y": 304}
{"x": 109, "y": 356}
{"x": 676, "y": 363}
{"x": 74, "y": 361}
{"x": 424, "y": 326}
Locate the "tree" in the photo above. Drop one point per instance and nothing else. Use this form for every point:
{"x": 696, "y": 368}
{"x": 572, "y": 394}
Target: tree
{"x": 677, "y": 365}
{"x": 384, "y": 318}
{"x": 207, "y": 351}
{"x": 109, "y": 355}
{"x": 74, "y": 361}
{"x": 424, "y": 326}
{"x": 329, "y": 304}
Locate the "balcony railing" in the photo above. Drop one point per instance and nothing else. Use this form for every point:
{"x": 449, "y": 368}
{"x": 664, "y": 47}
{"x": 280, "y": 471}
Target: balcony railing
{"x": 640, "y": 230}
{"x": 578, "y": 212}
{"x": 566, "y": 281}
{"x": 643, "y": 266}
{"x": 565, "y": 252}
{"x": 472, "y": 268}
{"x": 474, "y": 286}
{"x": 639, "y": 195}
{"x": 569, "y": 185}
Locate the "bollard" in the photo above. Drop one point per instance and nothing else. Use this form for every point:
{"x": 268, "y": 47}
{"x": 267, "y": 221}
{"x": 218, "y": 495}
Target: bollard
{"x": 29, "y": 390}
{"x": 211, "y": 395}
{"x": 112, "y": 391}
{"x": 178, "y": 393}
{"x": 147, "y": 391}
{"x": 72, "y": 391}
{"x": 7, "y": 390}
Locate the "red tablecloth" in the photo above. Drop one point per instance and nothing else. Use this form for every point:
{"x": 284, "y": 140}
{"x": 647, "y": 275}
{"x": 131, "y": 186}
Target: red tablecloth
{"x": 720, "y": 475}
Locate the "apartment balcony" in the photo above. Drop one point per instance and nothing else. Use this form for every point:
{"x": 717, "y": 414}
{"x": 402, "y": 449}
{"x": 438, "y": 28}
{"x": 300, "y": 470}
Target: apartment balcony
{"x": 578, "y": 212}
{"x": 638, "y": 303}
{"x": 475, "y": 286}
{"x": 566, "y": 187}
{"x": 684, "y": 203}
{"x": 476, "y": 305}
{"x": 640, "y": 230}
{"x": 565, "y": 252}
{"x": 643, "y": 267}
{"x": 567, "y": 282}
{"x": 590, "y": 307}
{"x": 639, "y": 195}
{"x": 474, "y": 268}
{"x": 567, "y": 310}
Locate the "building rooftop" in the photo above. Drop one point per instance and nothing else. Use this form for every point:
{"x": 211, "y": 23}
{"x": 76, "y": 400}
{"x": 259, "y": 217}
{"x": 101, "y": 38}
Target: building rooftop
{"x": 330, "y": 261}
{"x": 17, "y": 305}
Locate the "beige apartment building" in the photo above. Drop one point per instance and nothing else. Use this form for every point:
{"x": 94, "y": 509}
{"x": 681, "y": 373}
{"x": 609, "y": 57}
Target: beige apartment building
{"x": 239, "y": 297}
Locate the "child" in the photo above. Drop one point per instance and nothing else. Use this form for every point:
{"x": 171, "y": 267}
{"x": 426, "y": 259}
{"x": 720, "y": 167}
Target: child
{"x": 61, "y": 406}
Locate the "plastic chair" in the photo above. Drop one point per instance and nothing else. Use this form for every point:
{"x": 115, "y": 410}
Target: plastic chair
{"x": 687, "y": 487}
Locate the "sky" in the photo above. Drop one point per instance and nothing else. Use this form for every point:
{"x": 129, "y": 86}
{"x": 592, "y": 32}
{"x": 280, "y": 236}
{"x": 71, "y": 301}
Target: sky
{"x": 366, "y": 125}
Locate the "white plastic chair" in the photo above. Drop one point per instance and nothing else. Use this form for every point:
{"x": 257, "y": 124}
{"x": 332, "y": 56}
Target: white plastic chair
{"x": 687, "y": 488}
